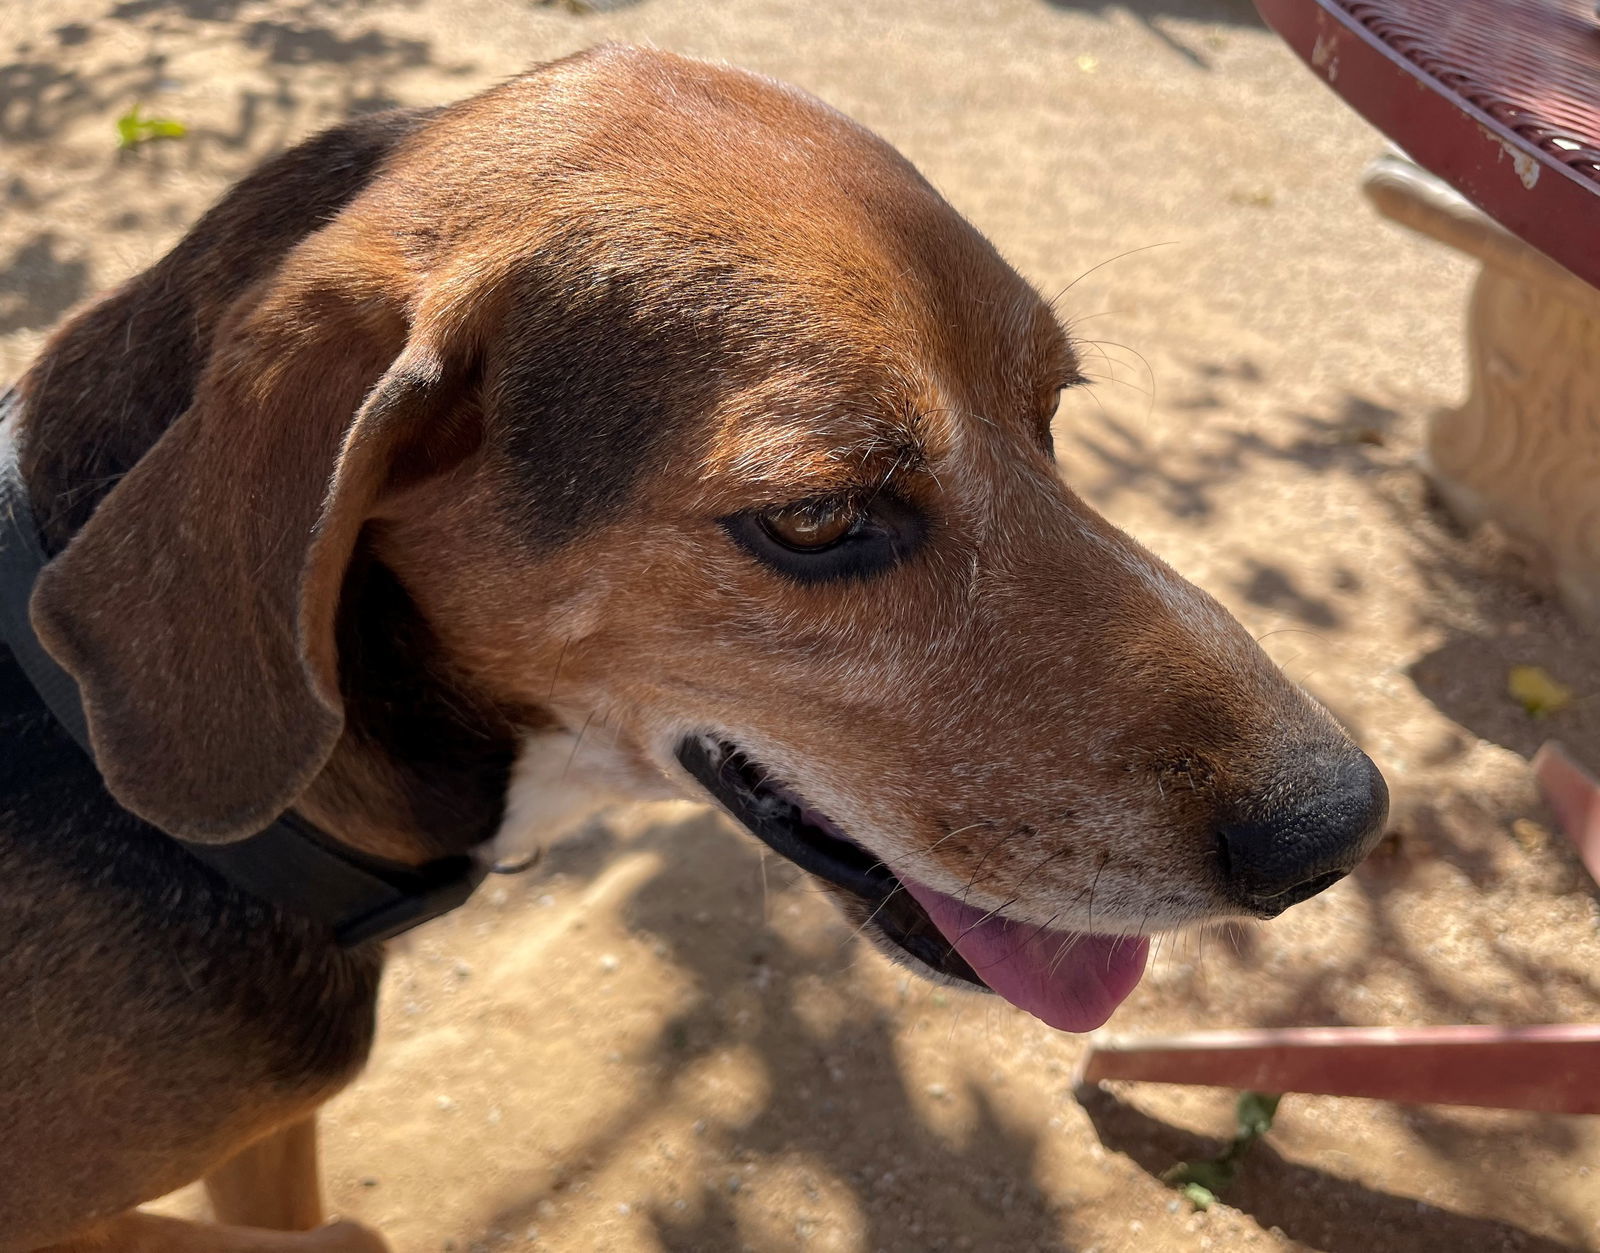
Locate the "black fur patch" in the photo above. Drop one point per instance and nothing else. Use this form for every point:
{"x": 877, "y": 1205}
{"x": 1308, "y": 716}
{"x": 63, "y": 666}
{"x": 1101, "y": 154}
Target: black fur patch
{"x": 451, "y": 751}
{"x": 614, "y": 380}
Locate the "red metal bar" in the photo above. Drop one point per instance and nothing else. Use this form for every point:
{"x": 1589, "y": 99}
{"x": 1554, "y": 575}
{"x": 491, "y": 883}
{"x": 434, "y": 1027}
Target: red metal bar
{"x": 1553, "y": 1069}
{"x": 1574, "y": 795}
{"x": 1528, "y": 191}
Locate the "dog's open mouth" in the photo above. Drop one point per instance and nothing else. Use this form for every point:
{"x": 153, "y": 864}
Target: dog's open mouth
{"x": 1070, "y": 980}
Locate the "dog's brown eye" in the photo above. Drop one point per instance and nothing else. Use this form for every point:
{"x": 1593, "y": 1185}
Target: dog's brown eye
{"x": 809, "y": 528}
{"x": 819, "y": 541}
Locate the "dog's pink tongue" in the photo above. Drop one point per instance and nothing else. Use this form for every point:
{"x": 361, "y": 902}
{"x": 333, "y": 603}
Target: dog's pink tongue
{"x": 1070, "y": 980}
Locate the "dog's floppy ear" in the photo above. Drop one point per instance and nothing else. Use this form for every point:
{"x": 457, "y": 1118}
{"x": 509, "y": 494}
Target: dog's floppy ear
{"x": 197, "y": 606}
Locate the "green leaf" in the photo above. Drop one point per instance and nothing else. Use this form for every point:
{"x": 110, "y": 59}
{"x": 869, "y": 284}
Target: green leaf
{"x": 1212, "y": 1174}
{"x": 133, "y": 129}
{"x": 1197, "y": 1196}
{"x": 128, "y": 128}
{"x": 1536, "y": 691}
{"x": 1256, "y": 1111}
{"x": 1203, "y": 1182}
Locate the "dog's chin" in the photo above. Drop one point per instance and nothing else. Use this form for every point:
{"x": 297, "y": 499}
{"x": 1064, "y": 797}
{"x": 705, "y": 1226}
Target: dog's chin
{"x": 1070, "y": 980}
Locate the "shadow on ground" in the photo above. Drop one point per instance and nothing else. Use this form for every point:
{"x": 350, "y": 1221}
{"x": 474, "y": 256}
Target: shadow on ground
{"x": 1153, "y": 15}
{"x": 39, "y": 282}
{"x": 1315, "y": 1207}
{"x": 43, "y": 93}
{"x": 843, "y": 1100}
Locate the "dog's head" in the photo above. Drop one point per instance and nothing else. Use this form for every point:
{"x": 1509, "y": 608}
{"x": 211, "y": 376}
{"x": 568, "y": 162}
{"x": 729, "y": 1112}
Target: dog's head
{"x": 673, "y": 404}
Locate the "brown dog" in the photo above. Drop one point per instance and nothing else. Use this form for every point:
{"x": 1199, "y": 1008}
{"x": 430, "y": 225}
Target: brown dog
{"x": 635, "y": 392}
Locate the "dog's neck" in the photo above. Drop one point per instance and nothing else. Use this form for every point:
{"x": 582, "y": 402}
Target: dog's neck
{"x": 424, "y": 765}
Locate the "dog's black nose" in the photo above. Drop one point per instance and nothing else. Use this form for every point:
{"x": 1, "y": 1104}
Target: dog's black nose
{"x": 1310, "y": 828}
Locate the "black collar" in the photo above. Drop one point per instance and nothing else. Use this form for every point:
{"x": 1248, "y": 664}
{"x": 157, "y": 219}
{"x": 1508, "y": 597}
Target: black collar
{"x": 291, "y": 864}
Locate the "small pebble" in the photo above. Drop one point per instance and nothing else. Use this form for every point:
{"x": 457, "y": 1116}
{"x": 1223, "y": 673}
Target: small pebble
{"x": 610, "y": 962}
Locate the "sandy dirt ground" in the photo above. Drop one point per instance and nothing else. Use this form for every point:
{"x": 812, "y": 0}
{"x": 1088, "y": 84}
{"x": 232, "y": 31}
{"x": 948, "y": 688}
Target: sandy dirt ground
{"x": 658, "y": 1042}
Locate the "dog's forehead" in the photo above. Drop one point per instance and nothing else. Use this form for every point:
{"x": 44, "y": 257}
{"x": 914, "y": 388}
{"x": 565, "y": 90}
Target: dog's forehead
{"x": 727, "y": 264}
{"x": 643, "y": 161}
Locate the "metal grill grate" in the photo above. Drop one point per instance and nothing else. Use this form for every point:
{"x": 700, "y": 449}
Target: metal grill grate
{"x": 1532, "y": 65}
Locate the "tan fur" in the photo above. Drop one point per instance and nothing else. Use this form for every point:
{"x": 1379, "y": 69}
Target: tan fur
{"x": 274, "y": 1183}
{"x": 521, "y": 366}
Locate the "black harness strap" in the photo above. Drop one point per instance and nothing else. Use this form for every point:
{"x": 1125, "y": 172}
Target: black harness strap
{"x": 291, "y": 864}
